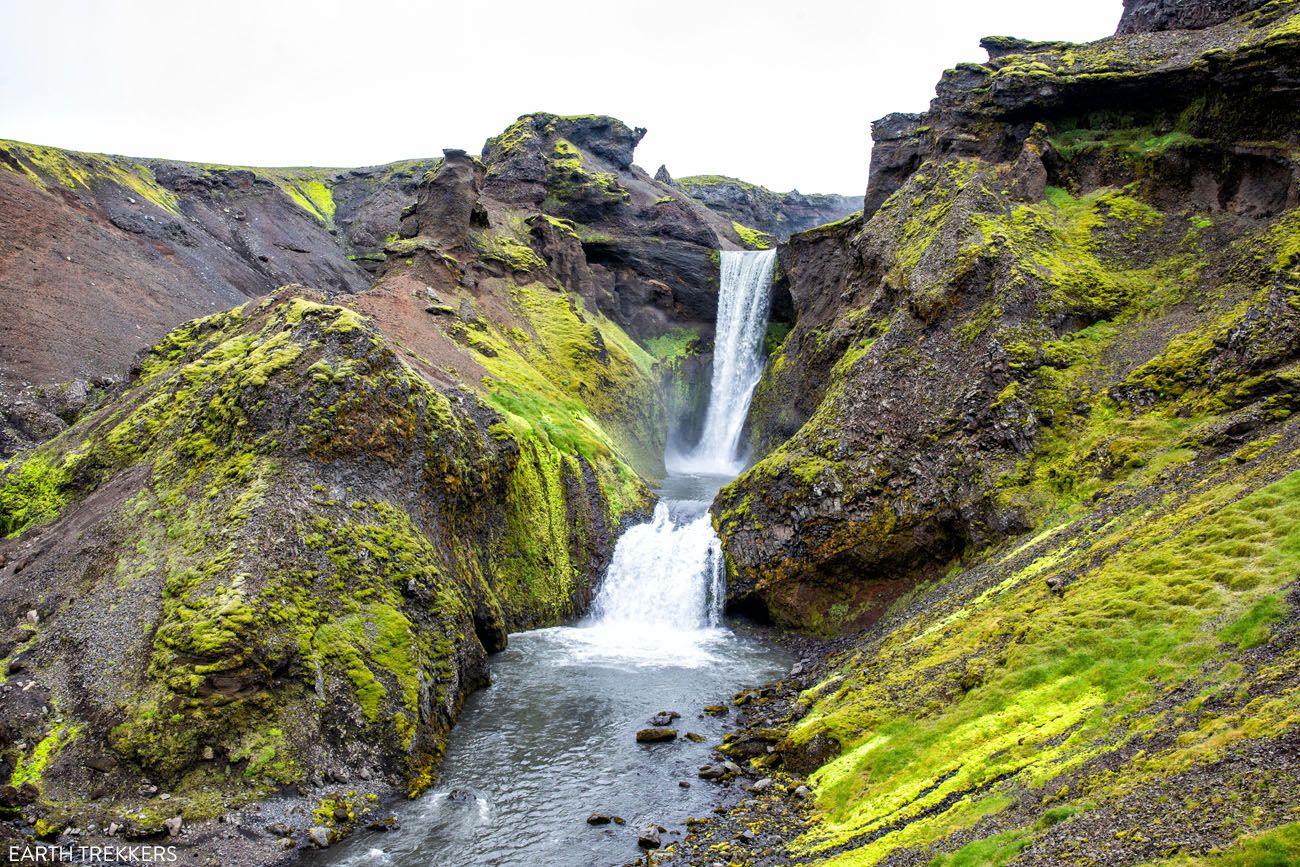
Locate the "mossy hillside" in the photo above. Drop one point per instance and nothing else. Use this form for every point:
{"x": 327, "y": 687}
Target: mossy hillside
{"x": 576, "y": 380}
{"x": 1069, "y": 291}
{"x": 1079, "y": 667}
{"x": 50, "y": 168}
{"x": 753, "y": 239}
{"x": 400, "y": 523}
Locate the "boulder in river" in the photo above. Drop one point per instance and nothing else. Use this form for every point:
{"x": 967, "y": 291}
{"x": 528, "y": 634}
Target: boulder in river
{"x": 649, "y": 837}
{"x": 664, "y": 718}
{"x": 656, "y": 735}
{"x": 599, "y": 819}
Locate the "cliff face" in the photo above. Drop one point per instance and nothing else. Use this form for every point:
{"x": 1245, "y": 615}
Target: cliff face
{"x": 1150, "y": 16}
{"x": 1064, "y": 196}
{"x": 779, "y": 215}
{"x": 1031, "y": 442}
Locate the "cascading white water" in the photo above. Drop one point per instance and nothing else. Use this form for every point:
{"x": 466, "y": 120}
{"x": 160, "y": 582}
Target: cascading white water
{"x": 663, "y": 574}
{"x": 743, "y": 300}
{"x": 662, "y": 596}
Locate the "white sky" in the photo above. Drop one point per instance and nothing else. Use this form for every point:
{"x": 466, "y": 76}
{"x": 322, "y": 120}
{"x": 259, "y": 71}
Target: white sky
{"x": 779, "y": 92}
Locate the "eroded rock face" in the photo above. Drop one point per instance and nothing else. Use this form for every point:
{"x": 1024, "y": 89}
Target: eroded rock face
{"x": 777, "y": 214}
{"x": 927, "y": 380}
{"x": 1150, "y": 16}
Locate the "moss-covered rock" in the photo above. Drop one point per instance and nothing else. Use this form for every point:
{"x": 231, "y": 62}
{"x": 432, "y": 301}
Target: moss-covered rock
{"x": 290, "y": 552}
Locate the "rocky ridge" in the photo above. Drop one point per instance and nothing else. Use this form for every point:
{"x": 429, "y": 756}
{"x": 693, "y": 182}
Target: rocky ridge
{"x": 1030, "y": 444}
{"x": 750, "y": 206}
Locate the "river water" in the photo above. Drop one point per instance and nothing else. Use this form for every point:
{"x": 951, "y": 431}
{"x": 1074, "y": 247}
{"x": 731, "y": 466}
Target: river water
{"x": 553, "y": 738}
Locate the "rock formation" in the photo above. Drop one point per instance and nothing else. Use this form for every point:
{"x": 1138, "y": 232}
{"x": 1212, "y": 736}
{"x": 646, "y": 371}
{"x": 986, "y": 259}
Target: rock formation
{"x": 758, "y": 208}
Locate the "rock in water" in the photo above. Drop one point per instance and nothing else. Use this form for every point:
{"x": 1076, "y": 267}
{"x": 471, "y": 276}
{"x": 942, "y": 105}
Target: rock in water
{"x": 664, "y": 718}
{"x": 649, "y": 837}
{"x": 599, "y": 819}
{"x": 656, "y": 735}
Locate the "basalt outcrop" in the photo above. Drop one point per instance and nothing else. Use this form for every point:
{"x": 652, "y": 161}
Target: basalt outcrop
{"x": 1031, "y": 443}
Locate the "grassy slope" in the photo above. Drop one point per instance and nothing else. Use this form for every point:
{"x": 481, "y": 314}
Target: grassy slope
{"x": 997, "y": 706}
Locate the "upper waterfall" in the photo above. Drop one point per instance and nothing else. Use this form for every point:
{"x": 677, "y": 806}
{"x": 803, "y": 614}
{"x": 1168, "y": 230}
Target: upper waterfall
{"x": 743, "y": 301}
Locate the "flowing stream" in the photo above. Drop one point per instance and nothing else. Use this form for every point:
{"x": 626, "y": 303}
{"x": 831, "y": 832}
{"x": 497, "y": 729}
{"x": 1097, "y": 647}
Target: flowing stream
{"x": 553, "y": 738}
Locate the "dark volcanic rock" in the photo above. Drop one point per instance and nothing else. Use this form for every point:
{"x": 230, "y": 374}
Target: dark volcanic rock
{"x": 903, "y": 401}
{"x": 778, "y": 214}
{"x": 1150, "y": 16}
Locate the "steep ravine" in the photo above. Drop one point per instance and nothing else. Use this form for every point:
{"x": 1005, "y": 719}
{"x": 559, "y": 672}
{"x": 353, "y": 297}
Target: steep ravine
{"x": 1026, "y": 473}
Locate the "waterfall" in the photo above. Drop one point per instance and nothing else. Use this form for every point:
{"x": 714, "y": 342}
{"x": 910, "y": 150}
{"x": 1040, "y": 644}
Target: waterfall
{"x": 743, "y": 300}
{"x": 663, "y": 593}
{"x": 664, "y": 574}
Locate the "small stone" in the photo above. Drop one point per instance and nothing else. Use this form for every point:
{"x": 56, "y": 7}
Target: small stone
{"x": 619, "y": 820}
{"x": 656, "y": 735}
{"x": 174, "y": 825}
{"x": 148, "y": 790}
{"x": 762, "y": 785}
{"x": 288, "y": 843}
{"x": 101, "y": 763}
{"x": 113, "y": 828}
{"x": 208, "y": 754}
{"x": 341, "y": 814}
{"x": 695, "y": 738}
{"x": 684, "y": 784}
{"x": 33, "y": 618}
{"x": 796, "y": 669}
{"x": 716, "y": 709}
{"x": 319, "y": 835}
{"x": 165, "y": 796}
{"x": 649, "y": 837}
{"x": 802, "y": 792}
{"x": 599, "y": 819}
{"x": 664, "y": 718}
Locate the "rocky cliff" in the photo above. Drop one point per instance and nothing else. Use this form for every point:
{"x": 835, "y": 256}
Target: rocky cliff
{"x": 1031, "y": 441}
{"x": 750, "y": 206}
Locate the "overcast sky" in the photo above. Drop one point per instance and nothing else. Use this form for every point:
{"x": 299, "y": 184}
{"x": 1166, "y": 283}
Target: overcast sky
{"x": 779, "y": 92}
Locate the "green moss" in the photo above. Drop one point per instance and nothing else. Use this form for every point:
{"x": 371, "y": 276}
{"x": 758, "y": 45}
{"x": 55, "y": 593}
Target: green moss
{"x": 753, "y": 238}
{"x": 1131, "y": 627}
{"x": 31, "y": 767}
{"x": 1253, "y": 627}
{"x": 31, "y": 493}
{"x": 990, "y": 852}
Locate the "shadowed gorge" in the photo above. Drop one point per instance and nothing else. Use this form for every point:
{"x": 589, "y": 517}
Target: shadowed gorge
{"x": 522, "y": 507}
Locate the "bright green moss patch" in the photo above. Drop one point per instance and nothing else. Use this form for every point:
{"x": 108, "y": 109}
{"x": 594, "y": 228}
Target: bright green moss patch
{"x": 31, "y": 766}
{"x": 1131, "y": 625}
{"x": 991, "y": 852}
{"x": 1253, "y": 627}
{"x": 753, "y": 238}
{"x": 32, "y": 492}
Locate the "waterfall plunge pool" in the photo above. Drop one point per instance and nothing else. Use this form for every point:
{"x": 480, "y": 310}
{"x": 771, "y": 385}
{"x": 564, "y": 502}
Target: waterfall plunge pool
{"x": 553, "y": 738}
